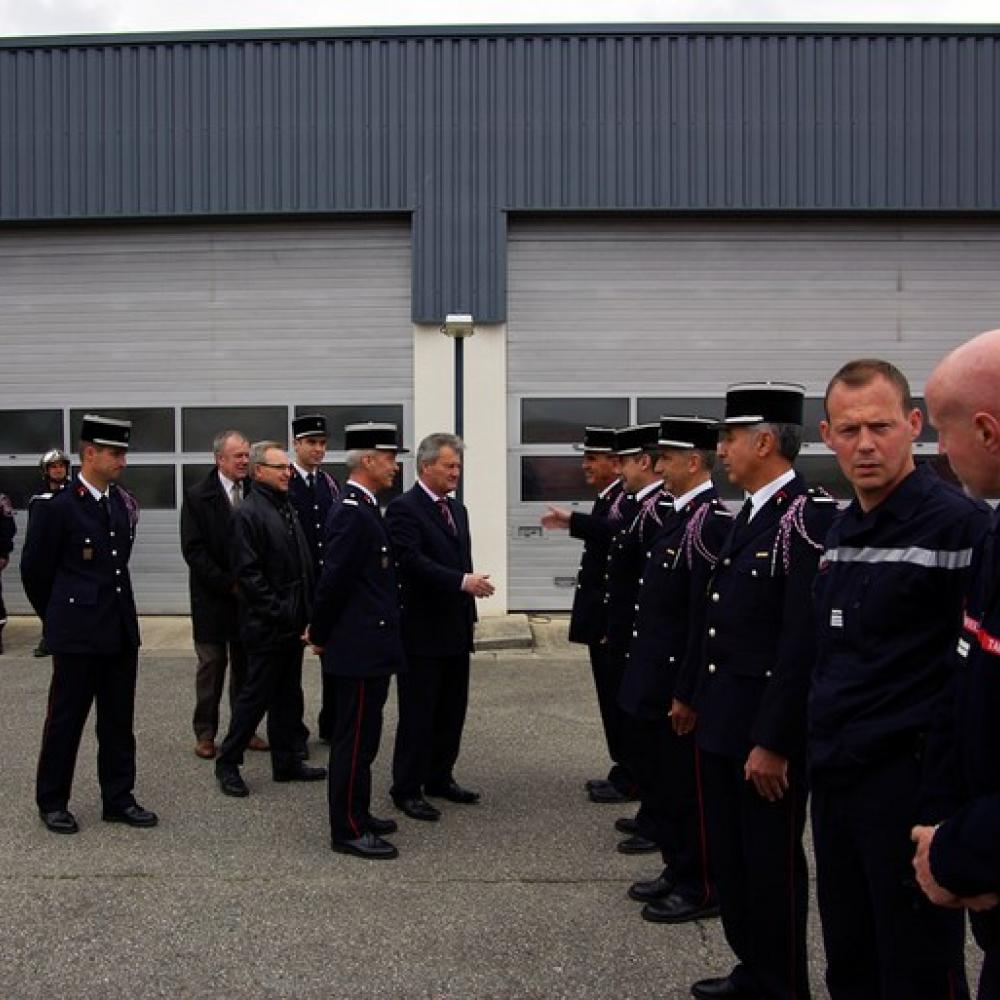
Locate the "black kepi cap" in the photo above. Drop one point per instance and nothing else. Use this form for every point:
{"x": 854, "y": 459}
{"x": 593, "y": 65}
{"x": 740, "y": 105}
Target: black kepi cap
{"x": 370, "y": 436}
{"x": 309, "y": 425}
{"x": 764, "y": 402}
{"x": 636, "y": 439}
{"x": 597, "y": 439}
{"x": 689, "y": 432}
{"x": 105, "y": 430}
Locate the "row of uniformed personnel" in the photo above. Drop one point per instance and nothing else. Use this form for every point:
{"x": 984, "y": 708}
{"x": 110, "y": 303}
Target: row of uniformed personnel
{"x": 741, "y": 663}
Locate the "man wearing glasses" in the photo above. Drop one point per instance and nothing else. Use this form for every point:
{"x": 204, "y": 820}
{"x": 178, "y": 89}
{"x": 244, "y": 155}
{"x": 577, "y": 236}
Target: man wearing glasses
{"x": 274, "y": 581}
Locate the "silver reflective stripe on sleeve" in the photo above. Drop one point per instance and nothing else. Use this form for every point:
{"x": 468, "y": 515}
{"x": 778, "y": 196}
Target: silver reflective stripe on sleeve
{"x": 914, "y": 555}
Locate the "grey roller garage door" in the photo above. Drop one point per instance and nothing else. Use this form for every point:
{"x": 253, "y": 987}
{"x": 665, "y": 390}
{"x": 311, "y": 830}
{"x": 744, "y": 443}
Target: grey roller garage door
{"x": 626, "y": 319}
{"x": 188, "y": 329}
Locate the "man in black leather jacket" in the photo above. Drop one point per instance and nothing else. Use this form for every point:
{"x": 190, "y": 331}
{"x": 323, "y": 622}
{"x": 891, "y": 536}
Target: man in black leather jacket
{"x": 273, "y": 570}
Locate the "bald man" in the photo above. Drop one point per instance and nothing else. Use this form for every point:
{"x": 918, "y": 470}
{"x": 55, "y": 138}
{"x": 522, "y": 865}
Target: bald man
{"x": 958, "y": 861}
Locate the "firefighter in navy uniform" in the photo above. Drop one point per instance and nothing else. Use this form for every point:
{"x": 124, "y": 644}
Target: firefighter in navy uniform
{"x": 312, "y": 492}
{"x": 958, "y": 861}
{"x": 643, "y": 512}
{"x": 888, "y": 600}
{"x": 74, "y": 567}
{"x": 356, "y": 627}
{"x": 753, "y": 678}
{"x": 588, "y": 620}
{"x": 665, "y": 634}
{"x": 7, "y": 531}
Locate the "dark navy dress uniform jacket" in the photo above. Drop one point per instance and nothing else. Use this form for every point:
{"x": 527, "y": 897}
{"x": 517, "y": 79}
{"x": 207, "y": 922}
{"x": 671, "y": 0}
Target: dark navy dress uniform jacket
{"x": 759, "y": 632}
{"x": 438, "y": 616}
{"x": 965, "y": 853}
{"x": 626, "y": 556}
{"x": 74, "y": 567}
{"x": 666, "y": 630}
{"x": 356, "y": 614}
{"x": 588, "y": 620}
{"x": 313, "y": 507}
{"x": 888, "y": 599}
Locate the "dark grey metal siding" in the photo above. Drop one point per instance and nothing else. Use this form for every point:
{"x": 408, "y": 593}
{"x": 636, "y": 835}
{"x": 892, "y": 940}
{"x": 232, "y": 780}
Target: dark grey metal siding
{"x": 458, "y": 126}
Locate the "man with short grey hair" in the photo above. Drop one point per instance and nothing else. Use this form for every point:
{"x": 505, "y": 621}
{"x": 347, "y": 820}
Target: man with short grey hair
{"x": 430, "y": 536}
{"x": 273, "y": 572}
{"x": 206, "y": 537}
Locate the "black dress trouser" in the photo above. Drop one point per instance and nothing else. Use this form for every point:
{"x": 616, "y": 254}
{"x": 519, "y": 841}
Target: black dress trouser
{"x": 108, "y": 681}
{"x": 761, "y": 877}
{"x": 608, "y": 670}
{"x": 356, "y": 734}
{"x": 433, "y": 696}
{"x": 273, "y": 685}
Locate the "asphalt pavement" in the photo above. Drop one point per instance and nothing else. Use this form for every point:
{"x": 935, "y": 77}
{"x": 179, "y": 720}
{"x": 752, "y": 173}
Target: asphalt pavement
{"x": 520, "y": 896}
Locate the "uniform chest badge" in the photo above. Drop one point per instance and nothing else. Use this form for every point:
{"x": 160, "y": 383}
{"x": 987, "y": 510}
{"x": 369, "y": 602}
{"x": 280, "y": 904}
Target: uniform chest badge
{"x": 88, "y": 553}
{"x": 836, "y": 618}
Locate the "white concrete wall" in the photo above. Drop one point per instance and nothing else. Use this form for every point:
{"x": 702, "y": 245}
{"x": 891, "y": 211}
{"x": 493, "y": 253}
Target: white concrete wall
{"x": 485, "y": 477}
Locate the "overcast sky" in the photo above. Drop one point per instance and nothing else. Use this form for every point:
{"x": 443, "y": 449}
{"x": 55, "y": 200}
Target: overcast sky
{"x": 60, "y": 17}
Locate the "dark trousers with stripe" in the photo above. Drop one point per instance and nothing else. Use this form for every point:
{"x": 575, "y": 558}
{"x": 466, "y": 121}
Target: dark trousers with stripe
{"x": 433, "y": 695}
{"x": 883, "y": 938}
{"x": 760, "y": 874}
{"x": 608, "y": 670}
{"x": 671, "y": 811}
{"x": 356, "y": 734}
{"x": 108, "y": 682}
{"x": 273, "y": 685}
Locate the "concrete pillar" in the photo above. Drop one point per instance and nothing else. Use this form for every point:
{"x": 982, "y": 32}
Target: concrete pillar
{"x": 485, "y": 475}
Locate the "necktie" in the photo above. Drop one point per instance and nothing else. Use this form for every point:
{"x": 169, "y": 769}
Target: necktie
{"x": 743, "y": 517}
{"x": 237, "y": 495}
{"x": 310, "y": 480}
{"x": 446, "y": 514}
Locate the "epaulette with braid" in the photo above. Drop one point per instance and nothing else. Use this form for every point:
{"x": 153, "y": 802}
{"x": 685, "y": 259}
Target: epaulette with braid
{"x": 693, "y": 539}
{"x": 793, "y": 522}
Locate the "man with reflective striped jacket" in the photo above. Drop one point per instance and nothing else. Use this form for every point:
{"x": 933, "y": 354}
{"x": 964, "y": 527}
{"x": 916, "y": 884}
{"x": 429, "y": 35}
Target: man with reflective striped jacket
{"x": 888, "y": 599}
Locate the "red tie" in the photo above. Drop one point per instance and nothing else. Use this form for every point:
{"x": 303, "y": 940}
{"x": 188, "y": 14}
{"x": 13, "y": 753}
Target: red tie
{"x": 446, "y": 514}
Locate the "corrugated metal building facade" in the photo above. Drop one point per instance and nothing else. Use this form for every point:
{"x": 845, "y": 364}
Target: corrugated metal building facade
{"x": 506, "y": 150}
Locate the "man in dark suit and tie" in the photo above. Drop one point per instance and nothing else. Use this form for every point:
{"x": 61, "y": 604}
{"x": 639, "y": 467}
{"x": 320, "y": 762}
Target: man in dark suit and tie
{"x": 206, "y": 540}
{"x": 430, "y": 538}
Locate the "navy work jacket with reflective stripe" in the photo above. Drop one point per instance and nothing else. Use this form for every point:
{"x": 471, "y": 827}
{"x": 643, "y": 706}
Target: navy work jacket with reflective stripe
{"x": 888, "y": 599}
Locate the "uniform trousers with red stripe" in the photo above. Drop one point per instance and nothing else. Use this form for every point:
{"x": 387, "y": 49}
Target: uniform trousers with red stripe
{"x": 760, "y": 873}
{"x": 671, "y": 814}
{"x": 883, "y": 937}
{"x": 357, "y": 731}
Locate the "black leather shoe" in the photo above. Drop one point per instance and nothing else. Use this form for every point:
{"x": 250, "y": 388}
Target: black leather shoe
{"x": 133, "y": 815}
{"x": 720, "y": 988}
{"x": 232, "y": 784}
{"x": 368, "y": 845}
{"x": 608, "y": 793}
{"x": 453, "y": 792}
{"x": 41, "y": 650}
{"x": 382, "y": 826}
{"x": 304, "y": 772}
{"x": 59, "y": 821}
{"x": 637, "y": 844}
{"x": 675, "y": 909}
{"x": 627, "y": 824}
{"x": 657, "y": 888}
{"x": 418, "y": 808}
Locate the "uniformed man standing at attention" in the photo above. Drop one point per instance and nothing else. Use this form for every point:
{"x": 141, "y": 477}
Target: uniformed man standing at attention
{"x": 958, "y": 861}
{"x": 74, "y": 567}
{"x": 588, "y": 620}
{"x": 888, "y": 602}
{"x": 312, "y": 492}
{"x": 665, "y": 636}
{"x": 7, "y": 531}
{"x": 757, "y": 656}
{"x": 645, "y": 506}
{"x": 357, "y": 629}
